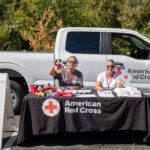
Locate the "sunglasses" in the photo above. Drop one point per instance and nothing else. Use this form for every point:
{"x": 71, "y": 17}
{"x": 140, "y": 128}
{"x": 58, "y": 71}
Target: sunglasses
{"x": 110, "y": 66}
{"x": 71, "y": 62}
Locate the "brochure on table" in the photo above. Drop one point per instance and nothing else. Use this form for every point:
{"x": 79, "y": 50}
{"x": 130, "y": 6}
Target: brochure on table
{"x": 127, "y": 92}
{"x": 83, "y": 93}
{"x": 105, "y": 94}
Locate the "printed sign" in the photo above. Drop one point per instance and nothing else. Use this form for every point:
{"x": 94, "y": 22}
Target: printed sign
{"x": 123, "y": 75}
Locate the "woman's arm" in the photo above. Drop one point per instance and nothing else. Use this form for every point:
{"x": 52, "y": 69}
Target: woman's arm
{"x": 52, "y": 71}
{"x": 119, "y": 84}
{"x": 99, "y": 86}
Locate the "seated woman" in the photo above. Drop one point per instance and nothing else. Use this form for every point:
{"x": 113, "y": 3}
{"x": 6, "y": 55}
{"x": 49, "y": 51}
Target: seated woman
{"x": 70, "y": 77}
{"x": 108, "y": 80}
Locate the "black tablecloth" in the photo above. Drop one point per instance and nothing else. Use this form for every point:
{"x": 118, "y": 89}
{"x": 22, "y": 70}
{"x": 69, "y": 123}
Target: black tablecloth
{"x": 83, "y": 114}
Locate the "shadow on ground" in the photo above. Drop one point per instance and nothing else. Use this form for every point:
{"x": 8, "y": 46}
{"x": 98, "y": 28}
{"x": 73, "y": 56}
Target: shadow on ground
{"x": 88, "y": 138}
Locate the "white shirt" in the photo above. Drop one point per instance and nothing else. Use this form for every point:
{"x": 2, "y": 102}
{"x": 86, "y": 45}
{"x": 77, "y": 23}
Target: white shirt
{"x": 107, "y": 84}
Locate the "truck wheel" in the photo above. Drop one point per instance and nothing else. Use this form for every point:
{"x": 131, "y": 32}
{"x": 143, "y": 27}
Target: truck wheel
{"x": 17, "y": 95}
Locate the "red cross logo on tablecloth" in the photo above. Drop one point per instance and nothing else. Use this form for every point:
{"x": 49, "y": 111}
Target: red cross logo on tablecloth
{"x": 51, "y": 107}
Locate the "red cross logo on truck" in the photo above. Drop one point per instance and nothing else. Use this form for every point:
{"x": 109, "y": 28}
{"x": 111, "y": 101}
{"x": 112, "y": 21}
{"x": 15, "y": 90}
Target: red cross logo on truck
{"x": 51, "y": 107}
{"x": 126, "y": 77}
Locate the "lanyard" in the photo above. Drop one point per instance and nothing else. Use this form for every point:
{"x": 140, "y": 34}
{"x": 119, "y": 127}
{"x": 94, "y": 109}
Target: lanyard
{"x": 70, "y": 77}
{"x": 108, "y": 83}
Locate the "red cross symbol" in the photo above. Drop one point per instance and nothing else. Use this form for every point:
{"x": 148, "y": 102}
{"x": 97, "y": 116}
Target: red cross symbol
{"x": 119, "y": 70}
{"x": 51, "y": 107}
{"x": 126, "y": 77}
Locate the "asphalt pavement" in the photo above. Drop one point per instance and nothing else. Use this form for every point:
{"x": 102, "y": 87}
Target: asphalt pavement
{"x": 78, "y": 141}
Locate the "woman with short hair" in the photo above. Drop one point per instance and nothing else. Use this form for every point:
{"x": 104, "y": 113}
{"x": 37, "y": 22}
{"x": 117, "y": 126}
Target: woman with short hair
{"x": 70, "y": 78}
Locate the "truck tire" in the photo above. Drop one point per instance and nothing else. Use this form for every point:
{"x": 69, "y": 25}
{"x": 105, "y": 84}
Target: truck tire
{"x": 17, "y": 95}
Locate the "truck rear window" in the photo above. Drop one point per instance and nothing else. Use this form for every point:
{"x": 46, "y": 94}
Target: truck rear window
{"x": 83, "y": 42}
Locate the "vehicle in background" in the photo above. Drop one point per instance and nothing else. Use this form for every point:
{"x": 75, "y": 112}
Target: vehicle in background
{"x": 92, "y": 47}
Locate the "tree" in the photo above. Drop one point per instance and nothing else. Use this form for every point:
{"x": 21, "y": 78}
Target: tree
{"x": 136, "y": 16}
{"x": 89, "y": 13}
{"x": 32, "y": 23}
{"x": 41, "y": 36}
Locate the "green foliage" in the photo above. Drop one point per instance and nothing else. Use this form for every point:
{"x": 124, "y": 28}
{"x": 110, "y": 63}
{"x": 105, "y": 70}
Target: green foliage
{"x": 19, "y": 19}
{"x": 41, "y": 36}
{"x": 89, "y": 13}
{"x": 77, "y": 13}
{"x": 136, "y": 16}
{"x": 23, "y": 23}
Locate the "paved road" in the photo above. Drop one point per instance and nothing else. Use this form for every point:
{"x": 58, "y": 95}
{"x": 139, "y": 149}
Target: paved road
{"x": 80, "y": 141}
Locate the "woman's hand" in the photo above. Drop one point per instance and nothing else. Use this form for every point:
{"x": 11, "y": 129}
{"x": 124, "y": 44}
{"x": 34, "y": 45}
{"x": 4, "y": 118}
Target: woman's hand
{"x": 119, "y": 84}
{"x": 100, "y": 89}
{"x": 98, "y": 86}
{"x": 52, "y": 70}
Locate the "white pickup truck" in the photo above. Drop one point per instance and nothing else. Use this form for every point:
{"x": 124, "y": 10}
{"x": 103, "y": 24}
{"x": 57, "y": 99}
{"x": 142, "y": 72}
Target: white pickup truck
{"x": 92, "y": 47}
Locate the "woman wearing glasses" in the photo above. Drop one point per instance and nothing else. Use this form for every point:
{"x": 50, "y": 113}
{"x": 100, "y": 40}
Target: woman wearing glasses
{"x": 70, "y": 77}
{"x": 108, "y": 80}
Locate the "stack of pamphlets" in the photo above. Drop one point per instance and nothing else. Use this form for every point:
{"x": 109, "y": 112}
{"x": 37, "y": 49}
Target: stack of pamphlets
{"x": 134, "y": 92}
{"x": 84, "y": 92}
{"x": 105, "y": 94}
{"x": 121, "y": 92}
{"x": 86, "y": 95}
{"x": 127, "y": 92}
